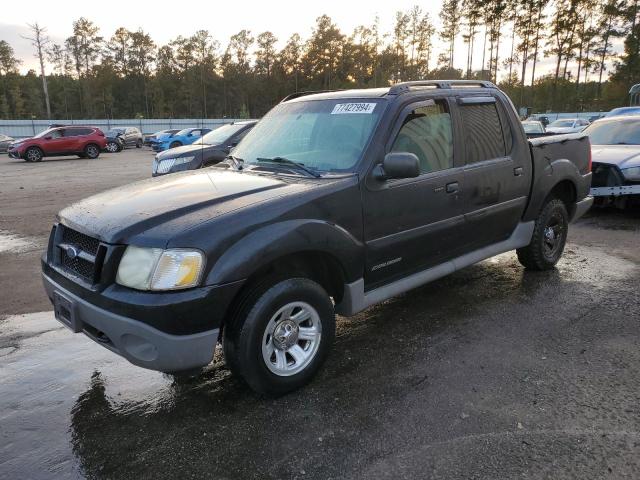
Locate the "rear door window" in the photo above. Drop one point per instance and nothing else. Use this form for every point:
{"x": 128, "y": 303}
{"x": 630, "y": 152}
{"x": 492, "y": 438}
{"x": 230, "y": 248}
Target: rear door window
{"x": 76, "y": 132}
{"x": 482, "y": 132}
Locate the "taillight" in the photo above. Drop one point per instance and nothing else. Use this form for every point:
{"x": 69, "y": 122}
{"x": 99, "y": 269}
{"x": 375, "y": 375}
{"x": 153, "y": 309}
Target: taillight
{"x": 589, "y": 164}
{"x": 99, "y": 132}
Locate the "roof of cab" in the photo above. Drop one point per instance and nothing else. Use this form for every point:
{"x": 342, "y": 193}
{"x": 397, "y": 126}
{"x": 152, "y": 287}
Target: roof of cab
{"x": 393, "y": 90}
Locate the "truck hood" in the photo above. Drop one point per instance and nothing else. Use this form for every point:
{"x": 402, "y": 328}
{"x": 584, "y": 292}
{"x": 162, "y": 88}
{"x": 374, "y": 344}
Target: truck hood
{"x": 623, "y": 156}
{"x": 163, "y": 206}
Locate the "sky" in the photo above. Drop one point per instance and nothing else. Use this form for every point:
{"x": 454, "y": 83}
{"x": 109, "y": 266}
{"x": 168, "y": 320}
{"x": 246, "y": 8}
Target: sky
{"x": 222, "y": 19}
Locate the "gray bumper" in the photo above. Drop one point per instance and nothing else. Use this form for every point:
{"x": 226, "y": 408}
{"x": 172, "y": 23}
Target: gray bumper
{"x": 581, "y": 208}
{"x": 615, "y": 191}
{"x": 139, "y": 343}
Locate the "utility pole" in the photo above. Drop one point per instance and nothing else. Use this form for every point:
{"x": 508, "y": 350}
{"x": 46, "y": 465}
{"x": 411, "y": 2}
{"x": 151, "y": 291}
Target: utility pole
{"x": 40, "y": 41}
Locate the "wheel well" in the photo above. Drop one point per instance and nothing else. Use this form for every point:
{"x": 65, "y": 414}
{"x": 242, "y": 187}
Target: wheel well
{"x": 320, "y": 267}
{"x": 565, "y": 191}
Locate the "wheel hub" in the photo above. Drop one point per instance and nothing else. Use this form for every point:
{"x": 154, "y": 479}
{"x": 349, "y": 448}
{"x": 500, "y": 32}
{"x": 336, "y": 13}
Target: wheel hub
{"x": 285, "y": 335}
{"x": 550, "y": 234}
{"x": 291, "y": 338}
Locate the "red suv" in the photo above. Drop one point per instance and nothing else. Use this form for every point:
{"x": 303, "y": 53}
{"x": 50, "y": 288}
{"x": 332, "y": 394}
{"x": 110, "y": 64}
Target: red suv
{"x": 86, "y": 142}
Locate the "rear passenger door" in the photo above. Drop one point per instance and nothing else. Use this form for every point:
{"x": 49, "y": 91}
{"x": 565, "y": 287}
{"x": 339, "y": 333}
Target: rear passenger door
{"x": 497, "y": 170}
{"x": 414, "y": 223}
{"x": 73, "y": 139}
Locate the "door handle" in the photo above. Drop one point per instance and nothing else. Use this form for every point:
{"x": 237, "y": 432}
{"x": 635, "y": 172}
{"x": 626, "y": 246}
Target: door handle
{"x": 518, "y": 171}
{"x": 452, "y": 187}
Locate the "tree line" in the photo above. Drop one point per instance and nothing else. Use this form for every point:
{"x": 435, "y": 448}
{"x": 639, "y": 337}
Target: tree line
{"x": 128, "y": 75}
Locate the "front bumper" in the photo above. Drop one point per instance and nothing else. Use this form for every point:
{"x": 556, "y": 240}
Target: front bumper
{"x": 138, "y": 342}
{"x": 615, "y": 191}
{"x": 14, "y": 153}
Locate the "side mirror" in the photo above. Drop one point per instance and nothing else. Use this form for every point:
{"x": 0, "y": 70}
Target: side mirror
{"x": 398, "y": 165}
{"x": 48, "y": 137}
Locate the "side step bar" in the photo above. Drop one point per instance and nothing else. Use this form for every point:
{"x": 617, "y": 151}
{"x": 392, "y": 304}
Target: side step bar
{"x": 355, "y": 299}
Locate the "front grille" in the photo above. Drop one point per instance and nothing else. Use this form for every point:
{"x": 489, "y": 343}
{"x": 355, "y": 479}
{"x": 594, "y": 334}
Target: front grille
{"x": 604, "y": 175}
{"x": 77, "y": 265}
{"x": 78, "y": 254}
{"x": 84, "y": 242}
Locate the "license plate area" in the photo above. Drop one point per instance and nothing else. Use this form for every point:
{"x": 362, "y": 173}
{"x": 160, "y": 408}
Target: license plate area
{"x": 65, "y": 312}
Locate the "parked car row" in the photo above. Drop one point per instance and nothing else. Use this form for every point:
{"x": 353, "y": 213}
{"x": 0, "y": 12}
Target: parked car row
{"x": 88, "y": 142}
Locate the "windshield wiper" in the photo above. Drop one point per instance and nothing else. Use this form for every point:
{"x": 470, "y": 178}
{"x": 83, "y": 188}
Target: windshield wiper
{"x": 235, "y": 161}
{"x": 286, "y": 161}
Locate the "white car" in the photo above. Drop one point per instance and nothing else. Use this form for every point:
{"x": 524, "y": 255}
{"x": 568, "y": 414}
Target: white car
{"x": 567, "y": 125}
{"x": 615, "y": 150}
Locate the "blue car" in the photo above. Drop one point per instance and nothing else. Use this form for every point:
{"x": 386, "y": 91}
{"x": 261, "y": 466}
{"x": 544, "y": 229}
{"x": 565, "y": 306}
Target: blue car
{"x": 173, "y": 140}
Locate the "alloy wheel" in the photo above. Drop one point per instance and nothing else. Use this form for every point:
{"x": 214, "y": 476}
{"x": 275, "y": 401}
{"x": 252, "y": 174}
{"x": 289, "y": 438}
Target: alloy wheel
{"x": 291, "y": 339}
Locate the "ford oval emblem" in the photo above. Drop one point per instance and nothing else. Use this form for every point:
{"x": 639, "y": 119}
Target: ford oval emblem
{"x": 72, "y": 252}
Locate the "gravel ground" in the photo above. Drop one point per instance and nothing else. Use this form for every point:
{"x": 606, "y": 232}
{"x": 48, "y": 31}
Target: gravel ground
{"x": 492, "y": 372}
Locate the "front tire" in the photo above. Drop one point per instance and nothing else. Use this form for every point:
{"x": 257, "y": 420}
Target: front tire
{"x": 112, "y": 147}
{"x": 92, "y": 151}
{"x": 139, "y": 144}
{"x": 281, "y": 335}
{"x": 175, "y": 144}
{"x": 549, "y": 238}
{"x": 33, "y": 154}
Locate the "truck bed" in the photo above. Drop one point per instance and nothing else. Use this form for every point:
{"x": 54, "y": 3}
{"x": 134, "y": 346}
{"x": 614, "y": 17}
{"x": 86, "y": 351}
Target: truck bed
{"x": 555, "y": 159}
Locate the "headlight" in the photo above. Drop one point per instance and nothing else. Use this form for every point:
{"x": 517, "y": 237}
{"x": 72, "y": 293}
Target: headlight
{"x": 157, "y": 269}
{"x": 166, "y": 165}
{"x": 632, "y": 174}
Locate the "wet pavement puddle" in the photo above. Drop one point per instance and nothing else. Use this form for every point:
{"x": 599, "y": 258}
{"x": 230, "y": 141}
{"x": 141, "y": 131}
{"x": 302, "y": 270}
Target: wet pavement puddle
{"x": 44, "y": 369}
{"x": 11, "y": 243}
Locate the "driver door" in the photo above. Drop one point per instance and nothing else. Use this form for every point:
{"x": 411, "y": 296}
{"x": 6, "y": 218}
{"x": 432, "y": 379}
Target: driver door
{"x": 415, "y": 223}
{"x": 57, "y": 143}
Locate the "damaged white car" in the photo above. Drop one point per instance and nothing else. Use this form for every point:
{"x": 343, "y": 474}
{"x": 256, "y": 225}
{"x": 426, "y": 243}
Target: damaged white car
{"x": 615, "y": 149}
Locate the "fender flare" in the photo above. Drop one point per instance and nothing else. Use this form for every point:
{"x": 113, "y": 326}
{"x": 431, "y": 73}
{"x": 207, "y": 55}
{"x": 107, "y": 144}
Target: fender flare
{"x": 265, "y": 245}
{"x": 552, "y": 174}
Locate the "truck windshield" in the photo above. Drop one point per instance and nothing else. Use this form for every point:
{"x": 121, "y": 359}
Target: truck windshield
{"x": 614, "y": 133}
{"x": 323, "y": 135}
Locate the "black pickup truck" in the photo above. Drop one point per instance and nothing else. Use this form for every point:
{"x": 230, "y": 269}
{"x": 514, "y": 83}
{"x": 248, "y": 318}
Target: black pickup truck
{"x": 334, "y": 202}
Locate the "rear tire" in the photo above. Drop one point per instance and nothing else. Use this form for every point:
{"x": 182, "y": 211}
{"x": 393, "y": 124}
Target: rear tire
{"x": 175, "y": 144}
{"x": 33, "y": 154}
{"x": 139, "y": 144}
{"x": 281, "y": 335}
{"x": 549, "y": 238}
{"x": 92, "y": 151}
